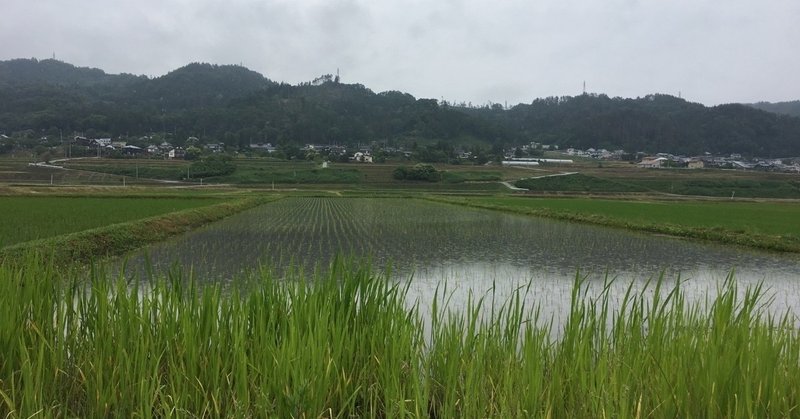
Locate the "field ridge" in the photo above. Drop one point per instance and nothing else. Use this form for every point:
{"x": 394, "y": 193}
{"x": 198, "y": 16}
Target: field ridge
{"x": 116, "y": 239}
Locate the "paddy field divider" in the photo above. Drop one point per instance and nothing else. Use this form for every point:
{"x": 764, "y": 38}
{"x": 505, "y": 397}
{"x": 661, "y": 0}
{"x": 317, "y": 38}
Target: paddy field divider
{"x": 116, "y": 239}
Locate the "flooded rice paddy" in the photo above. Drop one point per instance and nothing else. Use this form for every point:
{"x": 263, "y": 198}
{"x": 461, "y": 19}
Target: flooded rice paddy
{"x": 471, "y": 250}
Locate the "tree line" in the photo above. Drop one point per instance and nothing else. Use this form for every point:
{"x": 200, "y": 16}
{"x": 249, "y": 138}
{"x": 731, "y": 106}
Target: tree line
{"x": 239, "y": 107}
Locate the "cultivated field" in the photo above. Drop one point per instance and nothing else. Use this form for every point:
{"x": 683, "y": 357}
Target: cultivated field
{"x": 593, "y": 177}
{"x": 30, "y": 218}
{"x": 769, "y": 225}
{"x": 774, "y": 218}
{"x": 621, "y": 178}
{"x": 345, "y": 342}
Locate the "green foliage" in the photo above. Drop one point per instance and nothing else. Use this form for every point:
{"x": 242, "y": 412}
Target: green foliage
{"x": 211, "y": 166}
{"x": 654, "y": 123}
{"x": 742, "y": 188}
{"x": 791, "y": 108}
{"x": 142, "y": 169}
{"x": 344, "y": 344}
{"x": 453, "y": 176}
{"x": 576, "y": 183}
{"x": 268, "y": 175}
{"x": 239, "y": 106}
{"x": 419, "y": 171}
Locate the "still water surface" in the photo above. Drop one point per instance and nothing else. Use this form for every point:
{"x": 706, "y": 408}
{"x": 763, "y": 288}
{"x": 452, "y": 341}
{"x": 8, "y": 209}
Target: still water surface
{"x": 472, "y": 250}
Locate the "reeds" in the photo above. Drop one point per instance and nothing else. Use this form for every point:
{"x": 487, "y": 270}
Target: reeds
{"x": 343, "y": 344}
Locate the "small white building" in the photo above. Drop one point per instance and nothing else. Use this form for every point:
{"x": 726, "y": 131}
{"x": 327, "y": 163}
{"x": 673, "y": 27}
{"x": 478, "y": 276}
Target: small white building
{"x": 361, "y": 157}
{"x": 177, "y": 153}
{"x": 520, "y": 163}
{"x": 651, "y": 163}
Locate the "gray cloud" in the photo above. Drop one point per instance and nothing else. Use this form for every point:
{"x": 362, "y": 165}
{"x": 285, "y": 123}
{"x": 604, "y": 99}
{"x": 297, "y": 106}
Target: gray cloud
{"x": 461, "y": 50}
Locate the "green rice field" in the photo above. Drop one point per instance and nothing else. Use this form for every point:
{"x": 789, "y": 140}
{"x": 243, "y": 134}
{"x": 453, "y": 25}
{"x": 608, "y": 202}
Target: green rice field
{"x": 775, "y": 218}
{"x": 474, "y": 249}
{"x": 30, "y": 218}
{"x": 766, "y": 225}
{"x": 436, "y": 310}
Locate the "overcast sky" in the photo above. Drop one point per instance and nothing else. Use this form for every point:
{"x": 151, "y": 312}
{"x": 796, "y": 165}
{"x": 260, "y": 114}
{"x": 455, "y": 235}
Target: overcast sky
{"x": 711, "y": 51}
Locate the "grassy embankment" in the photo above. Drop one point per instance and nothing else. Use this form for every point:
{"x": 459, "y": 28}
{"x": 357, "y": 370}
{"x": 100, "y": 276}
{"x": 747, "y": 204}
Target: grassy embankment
{"x": 771, "y": 226}
{"x": 82, "y": 243}
{"x": 345, "y": 345}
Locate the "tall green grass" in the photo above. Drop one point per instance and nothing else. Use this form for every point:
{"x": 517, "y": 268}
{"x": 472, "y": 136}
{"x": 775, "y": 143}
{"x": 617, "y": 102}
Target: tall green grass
{"x": 344, "y": 344}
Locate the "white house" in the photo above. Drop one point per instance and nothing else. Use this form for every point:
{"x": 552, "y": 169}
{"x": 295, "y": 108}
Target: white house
{"x": 177, "y": 153}
{"x": 651, "y": 163}
{"x": 362, "y": 157}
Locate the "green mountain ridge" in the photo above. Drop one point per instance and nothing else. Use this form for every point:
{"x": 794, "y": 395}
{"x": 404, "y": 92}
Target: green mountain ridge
{"x": 791, "y": 108}
{"x": 238, "y": 106}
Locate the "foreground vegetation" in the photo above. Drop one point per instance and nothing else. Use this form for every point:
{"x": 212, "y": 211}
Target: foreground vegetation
{"x": 770, "y": 226}
{"x": 345, "y": 344}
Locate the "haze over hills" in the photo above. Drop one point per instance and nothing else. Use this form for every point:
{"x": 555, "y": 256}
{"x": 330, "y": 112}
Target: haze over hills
{"x": 237, "y": 106}
{"x": 791, "y": 108}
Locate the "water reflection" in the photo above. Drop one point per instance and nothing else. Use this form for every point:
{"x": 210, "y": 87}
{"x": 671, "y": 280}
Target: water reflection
{"x": 473, "y": 250}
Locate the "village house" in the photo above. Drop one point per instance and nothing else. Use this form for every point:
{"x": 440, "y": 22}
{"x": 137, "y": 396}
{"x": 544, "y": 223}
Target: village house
{"x": 268, "y": 147}
{"x": 361, "y": 157}
{"x": 696, "y": 164}
{"x": 653, "y": 163}
{"x": 131, "y": 150}
{"x": 177, "y": 153}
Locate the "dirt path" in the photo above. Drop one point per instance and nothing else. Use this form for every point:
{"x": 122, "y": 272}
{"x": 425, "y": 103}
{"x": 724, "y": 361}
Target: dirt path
{"x": 514, "y": 188}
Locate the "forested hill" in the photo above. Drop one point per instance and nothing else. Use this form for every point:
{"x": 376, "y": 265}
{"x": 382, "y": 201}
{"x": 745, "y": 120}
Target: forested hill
{"x": 787, "y": 108}
{"x": 237, "y": 106}
{"x": 652, "y": 123}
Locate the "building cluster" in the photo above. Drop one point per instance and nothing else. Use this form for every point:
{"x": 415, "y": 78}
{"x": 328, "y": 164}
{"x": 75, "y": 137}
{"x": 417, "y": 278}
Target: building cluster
{"x": 661, "y": 160}
{"x": 733, "y": 161}
{"x": 163, "y": 149}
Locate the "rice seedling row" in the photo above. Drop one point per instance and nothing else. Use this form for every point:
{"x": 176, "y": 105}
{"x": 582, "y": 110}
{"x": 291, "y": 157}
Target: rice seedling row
{"x": 475, "y": 250}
